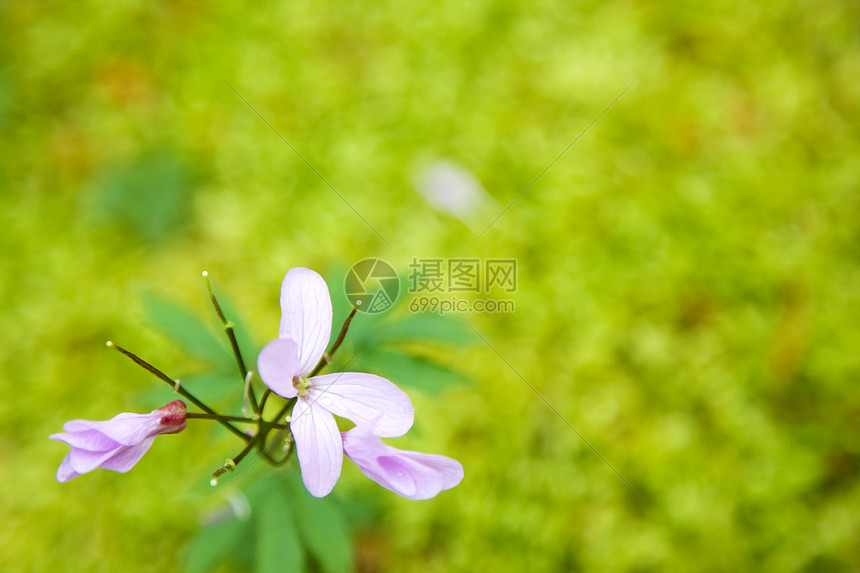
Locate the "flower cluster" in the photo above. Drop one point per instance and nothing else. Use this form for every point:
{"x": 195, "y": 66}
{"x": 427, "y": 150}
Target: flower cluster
{"x": 289, "y": 368}
{"x": 377, "y": 407}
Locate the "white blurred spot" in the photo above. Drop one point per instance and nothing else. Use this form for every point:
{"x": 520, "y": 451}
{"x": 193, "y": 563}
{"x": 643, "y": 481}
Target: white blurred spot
{"x": 452, "y": 189}
{"x": 240, "y": 506}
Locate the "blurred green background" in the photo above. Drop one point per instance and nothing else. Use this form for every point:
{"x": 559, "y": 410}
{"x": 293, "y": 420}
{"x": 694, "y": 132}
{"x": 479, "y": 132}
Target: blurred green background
{"x": 688, "y": 270}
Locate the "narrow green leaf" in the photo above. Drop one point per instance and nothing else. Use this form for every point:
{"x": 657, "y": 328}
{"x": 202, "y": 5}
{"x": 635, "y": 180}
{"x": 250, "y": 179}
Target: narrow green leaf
{"x": 186, "y": 330}
{"x": 216, "y": 386}
{"x": 276, "y": 537}
{"x": 322, "y": 528}
{"x": 426, "y": 327}
{"x": 410, "y": 370}
{"x": 216, "y": 544}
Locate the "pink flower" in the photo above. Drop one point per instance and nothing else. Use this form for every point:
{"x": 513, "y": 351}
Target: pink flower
{"x": 285, "y": 365}
{"x": 116, "y": 444}
{"x": 410, "y": 474}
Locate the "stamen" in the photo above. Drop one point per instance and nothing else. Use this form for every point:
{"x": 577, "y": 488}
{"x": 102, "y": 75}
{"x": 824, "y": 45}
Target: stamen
{"x": 301, "y": 385}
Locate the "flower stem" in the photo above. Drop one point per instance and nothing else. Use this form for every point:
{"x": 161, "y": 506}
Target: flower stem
{"x": 327, "y": 357}
{"x": 230, "y": 465}
{"x": 290, "y": 403}
{"x": 264, "y": 399}
{"x": 238, "y": 419}
{"x": 241, "y": 455}
{"x": 266, "y": 426}
{"x": 234, "y": 344}
{"x": 177, "y": 388}
{"x": 280, "y": 462}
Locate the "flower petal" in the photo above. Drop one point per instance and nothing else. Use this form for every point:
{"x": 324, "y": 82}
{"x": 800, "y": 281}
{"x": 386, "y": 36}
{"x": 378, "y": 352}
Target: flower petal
{"x": 306, "y": 315}
{"x": 278, "y": 363}
{"x": 91, "y": 440}
{"x": 365, "y": 399}
{"x": 125, "y": 459}
{"x": 126, "y": 428}
{"x": 84, "y": 461}
{"x": 411, "y": 474}
{"x": 65, "y": 472}
{"x": 318, "y": 445}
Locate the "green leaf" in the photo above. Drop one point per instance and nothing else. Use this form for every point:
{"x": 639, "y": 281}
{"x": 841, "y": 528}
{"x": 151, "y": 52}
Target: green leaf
{"x": 216, "y": 544}
{"x": 426, "y": 327}
{"x": 276, "y": 537}
{"x": 216, "y": 386}
{"x": 322, "y": 528}
{"x": 186, "y": 330}
{"x": 410, "y": 370}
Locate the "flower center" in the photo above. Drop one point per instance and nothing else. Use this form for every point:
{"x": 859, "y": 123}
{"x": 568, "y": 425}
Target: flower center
{"x": 301, "y": 385}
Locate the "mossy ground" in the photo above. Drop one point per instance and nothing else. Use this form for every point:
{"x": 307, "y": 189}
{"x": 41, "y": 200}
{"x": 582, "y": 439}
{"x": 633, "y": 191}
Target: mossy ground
{"x": 688, "y": 270}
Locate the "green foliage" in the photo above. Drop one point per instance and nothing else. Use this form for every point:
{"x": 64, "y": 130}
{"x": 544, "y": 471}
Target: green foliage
{"x": 187, "y": 331}
{"x": 222, "y": 544}
{"x": 150, "y": 196}
{"x": 276, "y": 533}
{"x": 286, "y": 528}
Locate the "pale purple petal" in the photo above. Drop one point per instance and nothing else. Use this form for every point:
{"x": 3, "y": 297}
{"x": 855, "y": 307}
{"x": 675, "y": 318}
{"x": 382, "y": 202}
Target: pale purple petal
{"x": 411, "y": 474}
{"x": 306, "y": 315}
{"x": 84, "y": 461}
{"x": 365, "y": 399}
{"x": 91, "y": 440}
{"x": 125, "y": 459}
{"x": 278, "y": 363}
{"x": 126, "y": 429}
{"x": 318, "y": 445}
{"x": 65, "y": 472}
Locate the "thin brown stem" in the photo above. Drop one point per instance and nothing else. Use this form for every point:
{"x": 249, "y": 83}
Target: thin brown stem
{"x": 277, "y": 463}
{"x": 234, "y": 344}
{"x": 290, "y": 403}
{"x": 327, "y": 357}
{"x": 177, "y": 387}
{"x": 231, "y": 464}
{"x": 263, "y": 400}
{"x": 195, "y": 416}
{"x": 266, "y": 426}
{"x": 244, "y": 452}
